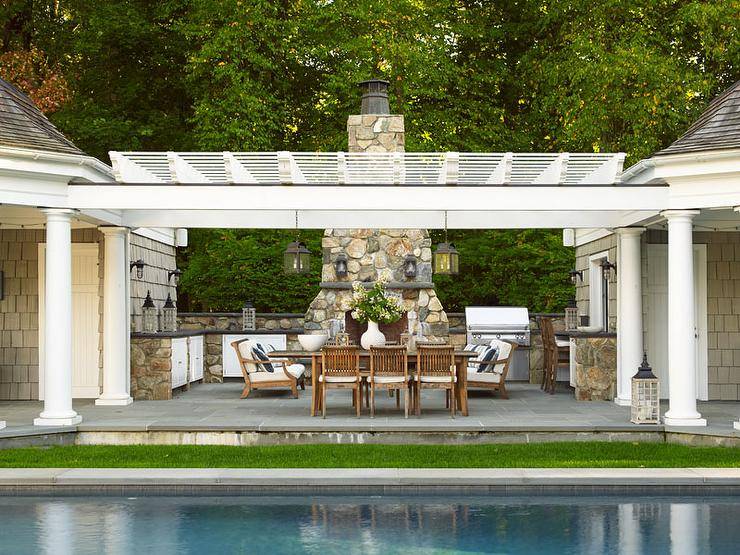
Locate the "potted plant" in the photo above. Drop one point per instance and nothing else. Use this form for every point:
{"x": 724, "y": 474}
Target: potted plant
{"x": 374, "y": 306}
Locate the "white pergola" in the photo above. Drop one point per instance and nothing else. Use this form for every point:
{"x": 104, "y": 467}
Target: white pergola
{"x": 579, "y": 191}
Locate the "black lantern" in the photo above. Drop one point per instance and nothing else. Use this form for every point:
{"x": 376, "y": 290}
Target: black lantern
{"x": 174, "y": 275}
{"x": 446, "y": 257}
{"x": 169, "y": 315}
{"x": 296, "y": 258}
{"x": 249, "y": 316}
{"x": 409, "y": 266}
{"x": 576, "y": 276}
{"x": 607, "y": 268}
{"x": 150, "y": 315}
{"x": 139, "y": 265}
{"x": 340, "y": 265}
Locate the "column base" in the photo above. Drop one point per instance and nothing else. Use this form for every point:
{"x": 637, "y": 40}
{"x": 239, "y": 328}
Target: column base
{"x": 622, "y": 402}
{"x": 113, "y": 401}
{"x": 67, "y": 421}
{"x": 673, "y": 421}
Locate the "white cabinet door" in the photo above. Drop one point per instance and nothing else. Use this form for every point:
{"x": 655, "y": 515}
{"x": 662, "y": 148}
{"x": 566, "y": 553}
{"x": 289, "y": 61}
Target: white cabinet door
{"x": 179, "y": 361}
{"x": 231, "y": 363}
{"x": 195, "y": 353}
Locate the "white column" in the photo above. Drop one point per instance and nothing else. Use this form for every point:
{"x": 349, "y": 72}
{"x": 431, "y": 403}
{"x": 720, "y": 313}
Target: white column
{"x": 629, "y": 310}
{"x": 737, "y": 424}
{"x": 58, "y": 322}
{"x": 681, "y": 321}
{"x": 115, "y": 319}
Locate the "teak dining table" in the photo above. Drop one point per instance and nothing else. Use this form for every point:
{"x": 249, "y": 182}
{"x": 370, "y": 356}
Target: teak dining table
{"x": 461, "y": 364}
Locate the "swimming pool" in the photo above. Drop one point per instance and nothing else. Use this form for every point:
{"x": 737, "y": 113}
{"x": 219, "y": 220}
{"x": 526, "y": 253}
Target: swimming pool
{"x": 382, "y": 525}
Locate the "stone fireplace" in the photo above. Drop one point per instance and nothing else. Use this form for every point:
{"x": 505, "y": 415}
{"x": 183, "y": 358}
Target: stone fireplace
{"x": 370, "y": 251}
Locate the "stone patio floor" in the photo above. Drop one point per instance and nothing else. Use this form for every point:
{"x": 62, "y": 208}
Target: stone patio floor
{"x": 214, "y": 407}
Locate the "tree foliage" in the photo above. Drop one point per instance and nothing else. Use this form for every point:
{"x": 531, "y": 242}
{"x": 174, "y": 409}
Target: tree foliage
{"x": 515, "y": 75}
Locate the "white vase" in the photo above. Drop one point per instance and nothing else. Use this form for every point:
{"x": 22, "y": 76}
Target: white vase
{"x": 373, "y": 337}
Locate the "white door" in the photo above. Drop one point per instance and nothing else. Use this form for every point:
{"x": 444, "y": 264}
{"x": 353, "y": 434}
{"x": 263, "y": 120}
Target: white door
{"x": 195, "y": 352}
{"x": 657, "y": 315}
{"x": 179, "y": 361}
{"x": 85, "y": 320}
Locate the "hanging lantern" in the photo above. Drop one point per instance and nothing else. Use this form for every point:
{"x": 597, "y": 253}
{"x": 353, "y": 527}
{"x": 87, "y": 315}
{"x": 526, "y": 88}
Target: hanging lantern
{"x": 446, "y": 257}
{"x": 645, "y": 395}
{"x": 340, "y": 265}
{"x": 296, "y": 258}
{"x": 576, "y": 276}
{"x": 169, "y": 315}
{"x": 149, "y": 315}
{"x": 249, "y": 317}
{"x": 139, "y": 265}
{"x": 409, "y": 266}
{"x": 607, "y": 268}
{"x": 571, "y": 316}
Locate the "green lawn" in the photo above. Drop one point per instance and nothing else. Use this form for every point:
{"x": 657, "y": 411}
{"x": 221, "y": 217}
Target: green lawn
{"x": 543, "y": 455}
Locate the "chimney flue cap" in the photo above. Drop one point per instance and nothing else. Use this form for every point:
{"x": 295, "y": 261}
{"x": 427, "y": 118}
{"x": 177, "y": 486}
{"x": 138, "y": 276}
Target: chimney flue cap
{"x": 374, "y": 97}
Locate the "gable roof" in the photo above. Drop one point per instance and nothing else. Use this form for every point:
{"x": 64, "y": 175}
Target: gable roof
{"x": 717, "y": 128}
{"x": 22, "y": 125}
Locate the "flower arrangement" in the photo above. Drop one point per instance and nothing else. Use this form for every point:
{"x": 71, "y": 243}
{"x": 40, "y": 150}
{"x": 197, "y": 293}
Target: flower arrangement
{"x": 375, "y": 304}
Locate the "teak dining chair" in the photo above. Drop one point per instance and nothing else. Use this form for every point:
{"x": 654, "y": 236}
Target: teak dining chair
{"x": 435, "y": 369}
{"x": 340, "y": 370}
{"x": 389, "y": 369}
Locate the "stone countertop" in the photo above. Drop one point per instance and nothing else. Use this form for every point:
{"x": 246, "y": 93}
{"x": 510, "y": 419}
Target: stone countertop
{"x": 191, "y": 333}
{"x": 586, "y": 334}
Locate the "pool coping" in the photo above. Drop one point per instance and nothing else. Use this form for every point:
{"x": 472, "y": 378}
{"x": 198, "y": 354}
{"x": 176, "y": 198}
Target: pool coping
{"x": 307, "y": 481}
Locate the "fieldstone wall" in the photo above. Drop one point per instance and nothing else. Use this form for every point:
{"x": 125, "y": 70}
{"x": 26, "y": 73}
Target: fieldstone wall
{"x": 213, "y": 361}
{"x": 232, "y": 321}
{"x": 375, "y": 133}
{"x": 151, "y": 368}
{"x": 596, "y": 368}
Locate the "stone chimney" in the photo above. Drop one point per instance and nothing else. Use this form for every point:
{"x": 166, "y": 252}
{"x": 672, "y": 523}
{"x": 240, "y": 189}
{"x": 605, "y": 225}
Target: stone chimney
{"x": 370, "y": 251}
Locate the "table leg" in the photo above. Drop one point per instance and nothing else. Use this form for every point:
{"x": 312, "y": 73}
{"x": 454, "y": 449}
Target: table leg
{"x": 462, "y": 386}
{"x": 315, "y": 393}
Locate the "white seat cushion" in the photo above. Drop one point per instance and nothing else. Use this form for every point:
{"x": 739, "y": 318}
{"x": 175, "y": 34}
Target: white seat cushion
{"x": 487, "y": 377}
{"x": 387, "y": 379}
{"x": 261, "y": 377}
{"x": 337, "y": 379}
{"x": 437, "y": 379}
{"x": 296, "y": 370}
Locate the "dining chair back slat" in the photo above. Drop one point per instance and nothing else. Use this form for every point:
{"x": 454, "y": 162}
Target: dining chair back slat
{"x": 389, "y": 369}
{"x": 435, "y": 360}
{"x": 341, "y": 360}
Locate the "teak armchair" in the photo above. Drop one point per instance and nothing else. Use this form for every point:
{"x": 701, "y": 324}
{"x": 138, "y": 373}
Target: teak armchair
{"x": 285, "y": 373}
{"x": 494, "y": 376}
{"x": 340, "y": 370}
{"x": 435, "y": 369}
{"x": 389, "y": 369}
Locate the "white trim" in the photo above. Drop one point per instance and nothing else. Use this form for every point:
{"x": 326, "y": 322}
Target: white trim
{"x": 57, "y": 163}
{"x": 165, "y": 236}
{"x": 595, "y": 291}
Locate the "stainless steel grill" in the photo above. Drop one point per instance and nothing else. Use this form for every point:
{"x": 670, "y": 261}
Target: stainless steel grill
{"x": 485, "y": 323}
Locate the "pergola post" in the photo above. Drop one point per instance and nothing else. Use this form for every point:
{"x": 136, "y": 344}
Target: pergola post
{"x": 58, "y": 322}
{"x": 629, "y": 310}
{"x": 681, "y": 321}
{"x": 116, "y": 336}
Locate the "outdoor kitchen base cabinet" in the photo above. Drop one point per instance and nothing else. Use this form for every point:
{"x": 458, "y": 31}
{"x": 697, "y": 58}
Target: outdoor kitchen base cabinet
{"x": 179, "y": 361}
{"x": 195, "y": 351}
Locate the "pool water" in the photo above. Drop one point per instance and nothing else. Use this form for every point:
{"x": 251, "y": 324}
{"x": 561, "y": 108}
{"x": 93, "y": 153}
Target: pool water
{"x": 372, "y": 525}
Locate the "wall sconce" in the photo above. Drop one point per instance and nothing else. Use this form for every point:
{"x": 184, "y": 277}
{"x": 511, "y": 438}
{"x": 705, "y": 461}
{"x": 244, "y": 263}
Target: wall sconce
{"x": 576, "y": 276}
{"x": 409, "y": 266}
{"x": 139, "y": 265}
{"x": 340, "y": 265}
{"x": 607, "y": 268}
{"x": 176, "y": 273}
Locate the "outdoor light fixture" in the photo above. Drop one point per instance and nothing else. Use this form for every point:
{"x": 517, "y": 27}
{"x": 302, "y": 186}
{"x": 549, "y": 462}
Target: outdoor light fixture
{"x": 249, "y": 317}
{"x": 169, "y": 315}
{"x": 409, "y": 266}
{"x": 139, "y": 265}
{"x": 176, "y": 273}
{"x": 149, "y": 314}
{"x": 571, "y": 316}
{"x": 607, "y": 268}
{"x": 576, "y": 276}
{"x": 296, "y": 258}
{"x": 340, "y": 265}
{"x": 446, "y": 257}
{"x": 645, "y": 395}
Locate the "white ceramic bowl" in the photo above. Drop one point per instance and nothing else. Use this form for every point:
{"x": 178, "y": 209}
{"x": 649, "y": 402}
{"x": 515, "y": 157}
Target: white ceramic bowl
{"x": 313, "y": 342}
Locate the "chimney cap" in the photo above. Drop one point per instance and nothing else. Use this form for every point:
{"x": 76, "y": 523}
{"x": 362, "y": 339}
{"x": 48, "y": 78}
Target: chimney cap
{"x": 375, "y": 97}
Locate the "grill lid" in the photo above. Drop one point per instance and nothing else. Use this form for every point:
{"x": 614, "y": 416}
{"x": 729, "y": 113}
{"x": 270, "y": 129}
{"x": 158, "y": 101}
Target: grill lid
{"x": 496, "y": 318}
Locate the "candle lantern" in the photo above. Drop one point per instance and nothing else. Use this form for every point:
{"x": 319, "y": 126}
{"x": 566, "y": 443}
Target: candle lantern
{"x": 249, "y": 317}
{"x": 149, "y": 314}
{"x": 571, "y": 316}
{"x": 169, "y": 315}
{"x": 645, "y": 395}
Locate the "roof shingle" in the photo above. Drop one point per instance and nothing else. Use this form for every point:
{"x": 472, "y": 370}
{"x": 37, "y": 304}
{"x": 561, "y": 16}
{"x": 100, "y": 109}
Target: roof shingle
{"x": 717, "y": 128}
{"x": 22, "y": 125}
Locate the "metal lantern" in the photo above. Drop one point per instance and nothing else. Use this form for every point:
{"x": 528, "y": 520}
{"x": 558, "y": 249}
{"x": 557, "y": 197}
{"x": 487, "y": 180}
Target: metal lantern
{"x": 249, "y": 317}
{"x": 174, "y": 275}
{"x": 645, "y": 395}
{"x": 576, "y": 276}
{"x": 607, "y": 268}
{"x": 340, "y": 265}
{"x": 149, "y": 314}
{"x": 409, "y": 266}
{"x": 571, "y": 315}
{"x": 296, "y": 258}
{"x": 446, "y": 257}
{"x": 169, "y": 315}
{"x": 139, "y": 265}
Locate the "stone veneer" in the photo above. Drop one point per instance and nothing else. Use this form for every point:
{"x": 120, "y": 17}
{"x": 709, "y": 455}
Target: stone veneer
{"x": 151, "y": 368}
{"x": 375, "y": 133}
{"x": 596, "y": 367}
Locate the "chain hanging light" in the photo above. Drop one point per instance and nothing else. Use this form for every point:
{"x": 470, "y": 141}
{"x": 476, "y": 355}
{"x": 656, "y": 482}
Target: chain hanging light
{"x": 446, "y": 257}
{"x": 296, "y": 258}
